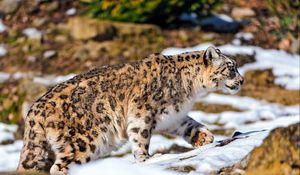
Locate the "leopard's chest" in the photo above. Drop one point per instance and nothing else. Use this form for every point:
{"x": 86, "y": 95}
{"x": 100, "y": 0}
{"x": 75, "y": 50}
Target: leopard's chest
{"x": 173, "y": 117}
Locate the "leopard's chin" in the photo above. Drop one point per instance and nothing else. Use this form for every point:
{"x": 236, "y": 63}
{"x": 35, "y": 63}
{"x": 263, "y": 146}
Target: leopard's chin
{"x": 231, "y": 89}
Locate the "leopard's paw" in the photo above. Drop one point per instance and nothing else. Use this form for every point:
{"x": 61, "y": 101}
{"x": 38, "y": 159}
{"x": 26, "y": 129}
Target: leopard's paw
{"x": 202, "y": 137}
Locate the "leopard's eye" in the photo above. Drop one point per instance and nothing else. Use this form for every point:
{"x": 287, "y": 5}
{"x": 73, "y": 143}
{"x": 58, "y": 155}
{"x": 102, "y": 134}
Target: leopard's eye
{"x": 231, "y": 68}
{"x": 231, "y": 72}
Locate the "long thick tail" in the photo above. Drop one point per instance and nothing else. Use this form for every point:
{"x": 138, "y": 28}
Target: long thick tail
{"x": 35, "y": 151}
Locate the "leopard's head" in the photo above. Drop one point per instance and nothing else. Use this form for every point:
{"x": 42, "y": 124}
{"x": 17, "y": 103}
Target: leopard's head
{"x": 222, "y": 73}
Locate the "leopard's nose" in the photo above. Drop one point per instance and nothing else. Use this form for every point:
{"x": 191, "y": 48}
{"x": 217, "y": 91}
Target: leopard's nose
{"x": 242, "y": 81}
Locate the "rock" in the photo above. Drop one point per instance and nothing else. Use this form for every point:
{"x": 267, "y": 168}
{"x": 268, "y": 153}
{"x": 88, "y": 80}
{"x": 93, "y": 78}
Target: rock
{"x": 86, "y": 28}
{"x": 52, "y": 6}
{"x": 38, "y": 22}
{"x": 279, "y": 153}
{"x": 49, "y": 54}
{"x": 9, "y": 6}
{"x": 295, "y": 48}
{"x": 222, "y": 24}
{"x": 284, "y": 44}
{"x": 125, "y": 29}
{"x": 241, "y": 13}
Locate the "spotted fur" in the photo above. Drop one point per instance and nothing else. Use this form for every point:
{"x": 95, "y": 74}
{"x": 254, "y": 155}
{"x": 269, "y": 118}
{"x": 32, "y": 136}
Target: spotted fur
{"x": 96, "y": 112}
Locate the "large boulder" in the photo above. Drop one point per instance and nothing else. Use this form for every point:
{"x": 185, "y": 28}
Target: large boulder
{"x": 279, "y": 153}
{"x": 9, "y": 6}
{"x": 86, "y": 28}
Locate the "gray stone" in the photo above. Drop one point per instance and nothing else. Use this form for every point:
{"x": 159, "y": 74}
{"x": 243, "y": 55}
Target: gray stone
{"x": 9, "y": 6}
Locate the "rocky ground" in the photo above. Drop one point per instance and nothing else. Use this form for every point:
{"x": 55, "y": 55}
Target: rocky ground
{"x": 43, "y": 43}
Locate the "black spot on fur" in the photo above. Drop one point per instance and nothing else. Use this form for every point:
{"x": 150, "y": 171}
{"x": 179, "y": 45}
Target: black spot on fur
{"x": 51, "y": 125}
{"x": 65, "y": 106}
{"x": 188, "y": 131}
{"x": 61, "y": 125}
{"x": 105, "y": 85}
{"x": 52, "y": 103}
{"x": 92, "y": 147}
{"x": 99, "y": 107}
{"x": 87, "y": 159}
{"x": 112, "y": 102}
{"x": 135, "y": 130}
{"x": 31, "y": 123}
{"x": 63, "y": 96}
{"x": 95, "y": 133}
{"x": 80, "y": 129}
{"x": 121, "y": 97}
{"x": 158, "y": 96}
{"x": 147, "y": 119}
{"x": 72, "y": 131}
{"x": 81, "y": 145}
{"x": 187, "y": 58}
{"x": 77, "y": 162}
{"x": 103, "y": 129}
{"x": 60, "y": 87}
{"x": 49, "y": 95}
{"x": 107, "y": 120}
{"x": 145, "y": 133}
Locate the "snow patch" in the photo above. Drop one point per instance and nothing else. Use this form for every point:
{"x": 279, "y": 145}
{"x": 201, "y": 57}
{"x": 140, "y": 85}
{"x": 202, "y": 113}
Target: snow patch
{"x": 2, "y": 26}
{"x": 71, "y": 11}
{"x": 10, "y": 155}
{"x": 52, "y": 80}
{"x": 244, "y": 35}
{"x": 3, "y": 51}
{"x": 7, "y": 132}
{"x": 32, "y": 33}
{"x": 115, "y": 166}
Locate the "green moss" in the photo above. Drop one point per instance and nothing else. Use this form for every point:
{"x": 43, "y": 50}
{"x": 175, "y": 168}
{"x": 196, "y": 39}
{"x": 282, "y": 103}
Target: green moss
{"x": 10, "y": 104}
{"x": 155, "y": 11}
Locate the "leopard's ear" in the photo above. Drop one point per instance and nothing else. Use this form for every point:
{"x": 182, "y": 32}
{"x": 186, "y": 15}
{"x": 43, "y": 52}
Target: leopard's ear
{"x": 211, "y": 54}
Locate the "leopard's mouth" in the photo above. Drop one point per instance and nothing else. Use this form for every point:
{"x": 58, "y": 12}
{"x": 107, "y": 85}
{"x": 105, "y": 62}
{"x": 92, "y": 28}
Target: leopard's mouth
{"x": 232, "y": 87}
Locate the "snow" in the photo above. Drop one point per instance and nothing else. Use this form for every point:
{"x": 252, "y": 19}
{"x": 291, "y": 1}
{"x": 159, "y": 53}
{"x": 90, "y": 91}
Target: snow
{"x": 286, "y": 67}
{"x": 4, "y": 76}
{"x": 236, "y": 41}
{"x": 254, "y": 110}
{"x": 109, "y": 167}
{"x": 47, "y": 80}
{"x": 71, "y": 11}
{"x": 225, "y": 18}
{"x": 32, "y": 33}
{"x": 3, "y": 51}
{"x": 10, "y": 155}
{"x": 49, "y": 53}
{"x": 2, "y": 26}
{"x": 7, "y": 132}
{"x": 244, "y": 35}
{"x": 52, "y": 80}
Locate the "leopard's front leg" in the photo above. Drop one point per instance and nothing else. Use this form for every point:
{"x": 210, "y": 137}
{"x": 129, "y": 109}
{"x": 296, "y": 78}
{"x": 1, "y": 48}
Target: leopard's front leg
{"x": 139, "y": 133}
{"x": 193, "y": 132}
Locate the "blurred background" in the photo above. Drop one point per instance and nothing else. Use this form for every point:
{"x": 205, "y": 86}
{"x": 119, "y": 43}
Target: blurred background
{"x": 44, "y": 42}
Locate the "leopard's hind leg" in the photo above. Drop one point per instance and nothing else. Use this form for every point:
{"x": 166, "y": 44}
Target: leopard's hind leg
{"x": 36, "y": 153}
